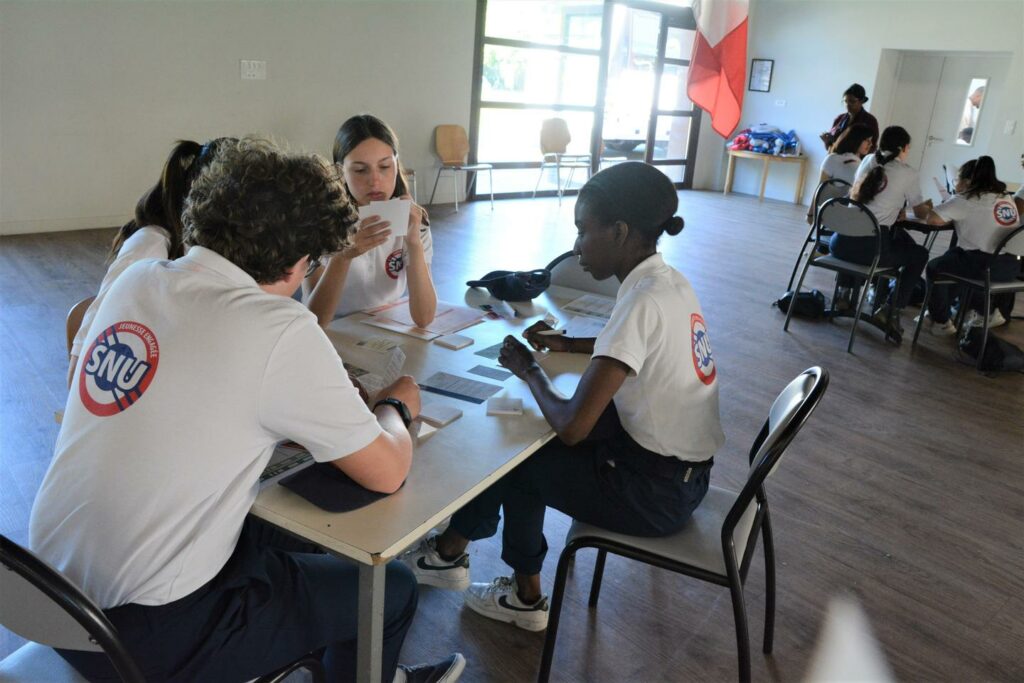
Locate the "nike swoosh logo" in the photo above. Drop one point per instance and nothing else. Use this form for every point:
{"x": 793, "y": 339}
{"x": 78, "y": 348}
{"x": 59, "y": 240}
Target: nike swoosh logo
{"x": 422, "y": 564}
{"x": 503, "y": 601}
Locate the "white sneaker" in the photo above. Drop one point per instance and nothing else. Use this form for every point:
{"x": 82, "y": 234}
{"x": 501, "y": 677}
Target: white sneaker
{"x": 995, "y": 319}
{"x": 432, "y": 570}
{"x": 946, "y": 329}
{"x": 446, "y": 671}
{"x": 498, "y": 600}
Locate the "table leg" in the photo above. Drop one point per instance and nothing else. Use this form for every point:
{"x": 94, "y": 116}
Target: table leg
{"x": 764, "y": 178}
{"x": 370, "y": 637}
{"x": 800, "y": 182}
{"x": 729, "y": 169}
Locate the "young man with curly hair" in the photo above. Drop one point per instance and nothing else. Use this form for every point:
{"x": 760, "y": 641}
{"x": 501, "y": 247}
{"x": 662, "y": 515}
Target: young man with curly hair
{"x": 195, "y": 369}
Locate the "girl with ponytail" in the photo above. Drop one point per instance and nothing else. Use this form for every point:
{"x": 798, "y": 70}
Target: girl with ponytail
{"x": 156, "y": 231}
{"x": 983, "y": 214}
{"x": 637, "y": 437}
{"x": 885, "y": 184}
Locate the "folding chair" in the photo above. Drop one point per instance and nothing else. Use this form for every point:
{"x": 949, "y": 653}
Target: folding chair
{"x": 554, "y": 140}
{"x": 848, "y": 217}
{"x": 827, "y": 189}
{"x": 452, "y": 145}
{"x": 40, "y": 604}
{"x": 718, "y": 542}
{"x": 1012, "y": 243}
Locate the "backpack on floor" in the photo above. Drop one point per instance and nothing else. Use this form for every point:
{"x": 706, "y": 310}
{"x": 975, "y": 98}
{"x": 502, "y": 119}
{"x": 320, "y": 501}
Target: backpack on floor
{"x": 1000, "y": 355}
{"x": 808, "y": 304}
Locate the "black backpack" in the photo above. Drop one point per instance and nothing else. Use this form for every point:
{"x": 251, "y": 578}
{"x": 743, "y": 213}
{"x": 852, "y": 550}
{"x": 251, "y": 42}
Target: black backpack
{"x": 1000, "y": 355}
{"x": 808, "y": 304}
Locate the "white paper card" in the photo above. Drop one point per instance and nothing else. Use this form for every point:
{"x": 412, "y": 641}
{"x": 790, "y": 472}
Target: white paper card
{"x": 454, "y": 341}
{"x": 592, "y": 305}
{"x": 394, "y": 211}
{"x": 439, "y": 414}
{"x": 503, "y": 405}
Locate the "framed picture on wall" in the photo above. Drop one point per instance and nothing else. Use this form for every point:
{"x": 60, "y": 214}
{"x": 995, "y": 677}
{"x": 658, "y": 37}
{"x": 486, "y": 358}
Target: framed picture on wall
{"x": 761, "y": 75}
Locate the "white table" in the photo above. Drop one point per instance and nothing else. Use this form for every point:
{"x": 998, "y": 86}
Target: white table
{"x": 449, "y": 469}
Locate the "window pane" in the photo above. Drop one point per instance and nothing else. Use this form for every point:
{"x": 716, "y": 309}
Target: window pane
{"x": 575, "y": 23}
{"x": 514, "y": 134}
{"x": 538, "y": 76}
{"x": 673, "y": 171}
{"x": 671, "y": 137}
{"x": 673, "y": 89}
{"x": 525, "y": 179}
{"x": 630, "y": 88}
{"x": 680, "y": 43}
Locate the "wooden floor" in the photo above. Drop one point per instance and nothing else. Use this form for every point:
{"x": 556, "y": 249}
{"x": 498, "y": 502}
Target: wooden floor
{"x": 905, "y": 490}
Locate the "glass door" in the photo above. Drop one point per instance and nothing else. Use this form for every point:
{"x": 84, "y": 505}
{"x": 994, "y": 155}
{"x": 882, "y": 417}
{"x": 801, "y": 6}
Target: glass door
{"x": 646, "y": 114}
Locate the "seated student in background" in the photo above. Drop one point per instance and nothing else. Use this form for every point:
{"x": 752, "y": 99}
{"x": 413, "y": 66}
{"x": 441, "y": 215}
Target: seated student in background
{"x": 376, "y": 269}
{"x": 155, "y": 232}
{"x": 884, "y": 184}
{"x": 844, "y": 158}
{"x": 854, "y": 98}
{"x": 643, "y": 476}
{"x": 195, "y": 369}
{"x": 983, "y": 215}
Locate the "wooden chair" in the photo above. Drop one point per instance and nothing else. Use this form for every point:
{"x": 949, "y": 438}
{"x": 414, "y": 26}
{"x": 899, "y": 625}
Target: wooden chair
{"x": 74, "y": 319}
{"x": 554, "y": 140}
{"x": 717, "y": 544}
{"x": 40, "y": 604}
{"x": 452, "y": 146}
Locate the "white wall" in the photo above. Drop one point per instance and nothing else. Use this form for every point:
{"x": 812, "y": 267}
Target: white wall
{"x": 92, "y": 95}
{"x": 820, "y": 47}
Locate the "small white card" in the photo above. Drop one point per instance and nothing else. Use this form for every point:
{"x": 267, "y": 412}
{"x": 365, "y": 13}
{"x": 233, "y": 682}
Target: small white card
{"x": 454, "y": 341}
{"x": 394, "y": 211}
{"x": 503, "y": 405}
{"x": 439, "y": 414}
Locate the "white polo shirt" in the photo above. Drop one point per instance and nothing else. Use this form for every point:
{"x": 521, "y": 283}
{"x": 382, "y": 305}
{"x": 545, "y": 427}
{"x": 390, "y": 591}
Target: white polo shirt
{"x": 842, "y": 166}
{"x": 901, "y": 186}
{"x": 669, "y": 402}
{"x": 379, "y": 276}
{"x": 151, "y": 241}
{"x": 191, "y": 376}
{"x": 980, "y": 222}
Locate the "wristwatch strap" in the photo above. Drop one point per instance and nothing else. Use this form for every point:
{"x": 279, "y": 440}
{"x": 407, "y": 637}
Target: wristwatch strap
{"x": 403, "y": 410}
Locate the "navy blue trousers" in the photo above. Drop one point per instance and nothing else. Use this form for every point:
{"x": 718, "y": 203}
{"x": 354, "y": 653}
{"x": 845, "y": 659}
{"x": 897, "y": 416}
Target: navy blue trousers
{"x": 970, "y": 264}
{"x": 898, "y": 249}
{"x": 613, "y": 483}
{"x": 273, "y": 602}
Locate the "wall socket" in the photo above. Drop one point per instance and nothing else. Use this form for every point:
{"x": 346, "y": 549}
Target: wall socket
{"x": 253, "y": 69}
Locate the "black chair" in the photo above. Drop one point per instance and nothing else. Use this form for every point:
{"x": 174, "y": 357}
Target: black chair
{"x": 827, "y": 189}
{"x": 1013, "y": 243}
{"x": 40, "y": 604}
{"x": 718, "y": 542}
{"x": 849, "y": 217}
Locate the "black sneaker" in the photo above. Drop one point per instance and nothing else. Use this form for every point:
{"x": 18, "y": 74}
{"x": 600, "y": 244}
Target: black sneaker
{"x": 445, "y": 671}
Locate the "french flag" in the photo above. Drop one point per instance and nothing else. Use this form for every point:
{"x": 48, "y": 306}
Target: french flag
{"x": 718, "y": 67}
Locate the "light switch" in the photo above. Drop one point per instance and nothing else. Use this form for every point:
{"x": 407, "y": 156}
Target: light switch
{"x": 780, "y": 103}
{"x": 1010, "y": 127}
{"x": 253, "y": 69}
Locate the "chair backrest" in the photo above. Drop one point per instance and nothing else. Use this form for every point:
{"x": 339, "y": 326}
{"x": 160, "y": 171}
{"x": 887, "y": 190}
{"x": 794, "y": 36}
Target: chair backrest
{"x": 847, "y": 217}
{"x": 40, "y": 604}
{"x": 566, "y": 272}
{"x": 451, "y": 144}
{"x": 786, "y": 417}
{"x": 1012, "y": 243}
{"x": 829, "y": 189}
{"x": 554, "y": 136}
{"x": 74, "y": 319}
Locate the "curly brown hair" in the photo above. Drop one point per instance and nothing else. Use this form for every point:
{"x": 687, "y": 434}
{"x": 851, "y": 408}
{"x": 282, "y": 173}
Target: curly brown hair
{"x": 263, "y": 208}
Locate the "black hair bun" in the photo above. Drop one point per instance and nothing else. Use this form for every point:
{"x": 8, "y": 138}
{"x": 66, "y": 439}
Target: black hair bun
{"x": 673, "y": 226}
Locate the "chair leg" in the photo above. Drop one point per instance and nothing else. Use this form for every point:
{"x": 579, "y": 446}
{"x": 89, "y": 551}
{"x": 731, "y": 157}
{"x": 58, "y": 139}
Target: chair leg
{"x": 595, "y": 583}
{"x": 455, "y": 188}
{"x": 796, "y": 266}
{"x": 490, "y": 179}
{"x": 539, "y": 178}
{"x": 984, "y": 334}
{"x": 769, "y": 583}
{"x": 432, "y": 192}
{"x": 739, "y": 613}
{"x": 799, "y": 284}
{"x": 924, "y": 307}
{"x": 856, "y": 313}
{"x": 555, "y": 612}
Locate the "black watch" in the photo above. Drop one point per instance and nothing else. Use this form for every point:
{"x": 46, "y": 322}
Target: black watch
{"x": 403, "y": 410}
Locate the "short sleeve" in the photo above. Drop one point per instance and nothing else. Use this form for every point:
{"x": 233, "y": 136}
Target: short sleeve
{"x": 150, "y": 242}
{"x": 953, "y": 209}
{"x": 306, "y": 395}
{"x": 634, "y": 324}
{"x": 865, "y": 165}
{"x": 826, "y": 165}
{"x": 912, "y": 191}
{"x": 428, "y": 243}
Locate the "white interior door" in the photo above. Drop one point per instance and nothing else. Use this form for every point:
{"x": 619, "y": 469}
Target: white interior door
{"x": 917, "y": 84}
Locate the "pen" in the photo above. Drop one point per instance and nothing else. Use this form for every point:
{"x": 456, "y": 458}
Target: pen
{"x": 550, "y": 333}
